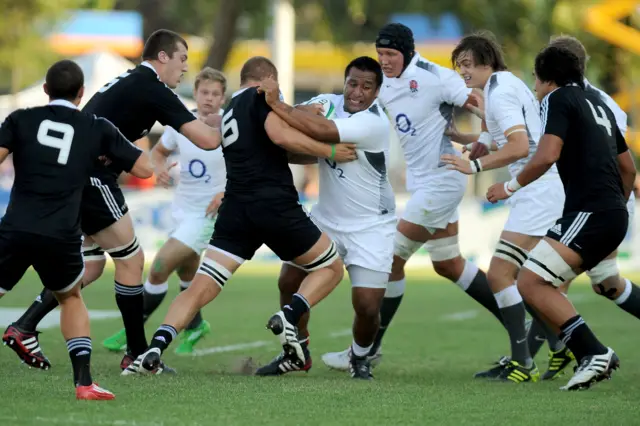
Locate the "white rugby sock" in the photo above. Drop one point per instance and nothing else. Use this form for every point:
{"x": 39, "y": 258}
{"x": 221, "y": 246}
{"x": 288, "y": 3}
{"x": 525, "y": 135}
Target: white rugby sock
{"x": 360, "y": 351}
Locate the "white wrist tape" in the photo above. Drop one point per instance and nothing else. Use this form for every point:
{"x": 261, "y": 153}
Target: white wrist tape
{"x": 511, "y": 186}
{"x": 485, "y": 139}
{"x": 476, "y": 166}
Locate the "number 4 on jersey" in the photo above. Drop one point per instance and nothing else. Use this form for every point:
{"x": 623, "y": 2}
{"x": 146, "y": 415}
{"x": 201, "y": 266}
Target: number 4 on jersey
{"x": 601, "y": 118}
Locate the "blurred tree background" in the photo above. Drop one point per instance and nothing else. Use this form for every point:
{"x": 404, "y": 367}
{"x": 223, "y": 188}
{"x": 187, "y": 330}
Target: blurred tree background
{"x": 523, "y": 27}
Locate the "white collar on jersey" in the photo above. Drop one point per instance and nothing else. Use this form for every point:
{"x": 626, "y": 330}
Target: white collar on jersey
{"x": 410, "y": 71}
{"x": 64, "y": 103}
{"x": 148, "y": 65}
{"x": 237, "y": 92}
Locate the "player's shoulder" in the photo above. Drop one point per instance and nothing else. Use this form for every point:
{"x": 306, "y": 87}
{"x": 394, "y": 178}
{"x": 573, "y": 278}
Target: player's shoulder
{"x": 608, "y": 100}
{"x": 425, "y": 68}
{"x": 504, "y": 83}
{"x": 375, "y": 114}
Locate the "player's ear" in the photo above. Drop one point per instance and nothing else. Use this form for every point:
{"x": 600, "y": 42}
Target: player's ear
{"x": 80, "y": 93}
{"x": 45, "y": 88}
{"x": 163, "y": 57}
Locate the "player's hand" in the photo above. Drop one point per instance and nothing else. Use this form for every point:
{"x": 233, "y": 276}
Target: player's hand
{"x": 214, "y": 205}
{"x": 475, "y": 103}
{"x": 162, "y": 174}
{"x": 477, "y": 150}
{"x": 213, "y": 120}
{"x": 269, "y": 86}
{"x": 496, "y": 193}
{"x": 345, "y": 152}
{"x": 456, "y": 163}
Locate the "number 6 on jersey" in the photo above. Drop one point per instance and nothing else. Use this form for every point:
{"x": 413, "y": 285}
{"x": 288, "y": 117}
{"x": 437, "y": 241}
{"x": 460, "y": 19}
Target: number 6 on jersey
{"x": 229, "y": 129}
{"x": 62, "y": 143}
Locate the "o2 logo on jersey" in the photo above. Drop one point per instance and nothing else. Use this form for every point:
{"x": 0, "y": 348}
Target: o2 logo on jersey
{"x": 334, "y": 166}
{"x": 403, "y": 124}
{"x": 198, "y": 170}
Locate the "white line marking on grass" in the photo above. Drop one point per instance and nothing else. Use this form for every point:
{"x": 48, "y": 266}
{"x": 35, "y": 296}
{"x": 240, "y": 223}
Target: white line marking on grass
{"x": 9, "y": 315}
{"x": 231, "y": 348}
{"x": 256, "y": 344}
{"x": 68, "y": 420}
{"x": 341, "y": 333}
{"x": 460, "y": 316}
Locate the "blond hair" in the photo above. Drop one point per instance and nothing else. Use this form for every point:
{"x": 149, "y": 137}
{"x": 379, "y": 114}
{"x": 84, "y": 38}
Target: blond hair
{"x": 210, "y": 74}
{"x": 574, "y": 46}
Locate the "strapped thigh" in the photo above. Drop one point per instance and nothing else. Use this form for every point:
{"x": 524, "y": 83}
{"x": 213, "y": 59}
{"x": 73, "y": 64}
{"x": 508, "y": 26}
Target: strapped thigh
{"x": 510, "y": 252}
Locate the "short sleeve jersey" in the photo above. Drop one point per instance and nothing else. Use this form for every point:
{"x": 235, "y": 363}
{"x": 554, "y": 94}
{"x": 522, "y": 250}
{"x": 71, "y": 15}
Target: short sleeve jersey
{"x": 54, "y": 150}
{"x": 256, "y": 167}
{"x": 202, "y": 173}
{"x": 588, "y": 163}
{"x": 133, "y": 102}
{"x": 420, "y": 104}
{"x": 508, "y": 103}
{"x": 357, "y": 194}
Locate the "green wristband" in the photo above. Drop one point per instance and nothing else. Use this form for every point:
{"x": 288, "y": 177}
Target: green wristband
{"x": 333, "y": 152}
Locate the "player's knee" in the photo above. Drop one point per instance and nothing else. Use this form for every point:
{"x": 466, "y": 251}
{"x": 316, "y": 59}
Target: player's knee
{"x": 397, "y": 268}
{"x": 605, "y": 279}
{"x": 290, "y": 279}
{"x": 608, "y": 268}
{"x": 403, "y": 247}
{"x": 500, "y": 277}
{"x": 366, "y": 308}
{"x": 93, "y": 270}
{"x": 547, "y": 263}
{"x": 159, "y": 272}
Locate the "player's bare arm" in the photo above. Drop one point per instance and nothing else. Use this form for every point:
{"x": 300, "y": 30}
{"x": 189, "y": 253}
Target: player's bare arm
{"x": 548, "y": 152}
{"x": 142, "y": 168}
{"x": 204, "y": 134}
{"x": 159, "y": 156}
{"x": 4, "y": 153}
{"x": 627, "y": 172}
{"x": 517, "y": 147}
{"x": 308, "y": 123}
{"x": 214, "y": 205}
{"x": 297, "y": 142}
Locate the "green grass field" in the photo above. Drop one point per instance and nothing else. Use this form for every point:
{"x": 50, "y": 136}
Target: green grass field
{"x": 438, "y": 340}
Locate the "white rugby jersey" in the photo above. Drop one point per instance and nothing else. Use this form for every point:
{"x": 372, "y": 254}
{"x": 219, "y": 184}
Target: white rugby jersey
{"x": 421, "y": 103}
{"x": 202, "y": 173}
{"x": 621, "y": 116}
{"x": 509, "y": 102}
{"x": 357, "y": 194}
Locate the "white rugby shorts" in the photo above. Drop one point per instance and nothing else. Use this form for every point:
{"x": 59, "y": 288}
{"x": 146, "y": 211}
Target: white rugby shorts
{"x": 435, "y": 205}
{"x": 192, "y": 229}
{"x": 535, "y": 208}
